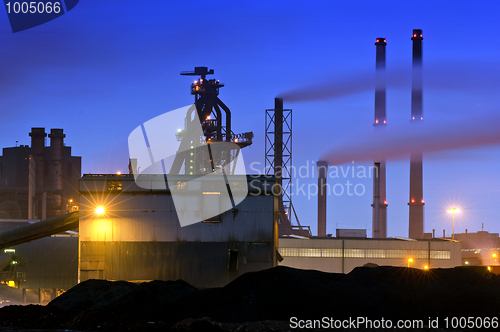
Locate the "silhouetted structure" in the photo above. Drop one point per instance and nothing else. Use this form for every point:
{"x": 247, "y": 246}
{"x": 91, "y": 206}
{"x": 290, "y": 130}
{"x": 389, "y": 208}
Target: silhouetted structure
{"x": 49, "y": 174}
{"x": 278, "y": 156}
{"x": 416, "y": 222}
{"x": 197, "y": 159}
{"x": 379, "y": 217}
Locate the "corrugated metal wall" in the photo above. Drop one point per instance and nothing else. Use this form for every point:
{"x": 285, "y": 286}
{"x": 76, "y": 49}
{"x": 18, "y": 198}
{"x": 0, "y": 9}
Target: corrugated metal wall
{"x": 140, "y": 238}
{"x": 52, "y": 262}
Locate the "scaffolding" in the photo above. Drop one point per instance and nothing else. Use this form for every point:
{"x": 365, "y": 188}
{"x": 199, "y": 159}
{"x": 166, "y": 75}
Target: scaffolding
{"x": 278, "y": 162}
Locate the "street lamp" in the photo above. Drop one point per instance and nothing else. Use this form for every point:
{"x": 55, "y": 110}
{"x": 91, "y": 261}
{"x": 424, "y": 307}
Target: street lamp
{"x": 409, "y": 261}
{"x": 453, "y": 211}
{"x": 494, "y": 256}
{"x": 100, "y": 210}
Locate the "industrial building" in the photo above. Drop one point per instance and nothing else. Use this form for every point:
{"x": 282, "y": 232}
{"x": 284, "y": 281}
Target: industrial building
{"x": 40, "y": 181}
{"x": 136, "y": 234}
{"x": 479, "y": 248}
{"x": 130, "y": 229}
{"x": 138, "y": 237}
{"x": 342, "y": 255}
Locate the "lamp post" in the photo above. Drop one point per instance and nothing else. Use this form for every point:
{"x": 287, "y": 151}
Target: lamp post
{"x": 453, "y": 211}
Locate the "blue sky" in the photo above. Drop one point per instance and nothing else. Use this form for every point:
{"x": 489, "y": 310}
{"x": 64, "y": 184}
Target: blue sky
{"x": 108, "y": 66}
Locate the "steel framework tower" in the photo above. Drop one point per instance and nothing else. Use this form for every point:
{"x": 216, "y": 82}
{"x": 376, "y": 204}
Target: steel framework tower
{"x": 278, "y": 157}
{"x": 215, "y": 127}
{"x": 379, "y": 216}
{"x": 416, "y": 204}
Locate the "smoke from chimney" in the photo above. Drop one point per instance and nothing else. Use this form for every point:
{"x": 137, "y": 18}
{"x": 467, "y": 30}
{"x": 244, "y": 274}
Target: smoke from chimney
{"x": 398, "y": 143}
{"x": 456, "y": 76}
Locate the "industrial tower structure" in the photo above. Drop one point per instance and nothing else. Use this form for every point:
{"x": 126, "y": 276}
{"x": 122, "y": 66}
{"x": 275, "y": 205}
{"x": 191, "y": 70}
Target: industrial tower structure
{"x": 278, "y": 157}
{"x": 216, "y": 128}
{"x": 379, "y": 216}
{"x": 416, "y": 222}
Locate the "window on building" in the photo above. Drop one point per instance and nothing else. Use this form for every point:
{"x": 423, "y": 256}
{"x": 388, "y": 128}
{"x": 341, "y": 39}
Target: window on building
{"x": 330, "y": 252}
{"x": 354, "y": 253}
{"x": 375, "y": 253}
{"x": 440, "y": 254}
{"x": 114, "y": 185}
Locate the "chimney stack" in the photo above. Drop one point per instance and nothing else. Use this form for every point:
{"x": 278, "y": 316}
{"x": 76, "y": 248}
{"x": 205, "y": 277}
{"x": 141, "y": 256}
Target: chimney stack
{"x": 56, "y": 158}
{"x": 38, "y": 152}
{"x": 416, "y": 204}
{"x": 380, "y": 96}
{"x": 379, "y": 215}
{"x": 278, "y": 141}
{"x": 376, "y": 202}
{"x": 322, "y": 192}
{"x": 56, "y": 165}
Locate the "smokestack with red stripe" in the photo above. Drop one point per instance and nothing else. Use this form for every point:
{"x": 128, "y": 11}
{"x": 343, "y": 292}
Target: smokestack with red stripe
{"x": 379, "y": 216}
{"x": 416, "y": 204}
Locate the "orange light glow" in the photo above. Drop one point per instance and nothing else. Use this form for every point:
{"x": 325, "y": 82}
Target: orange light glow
{"x": 426, "y": 267}
{"x": 100, "y": 210}
{"x": 377, "y": 40}
{"x": 415, "y": 35}
{"x": 118, "y": 173}
{"x": 412, "y": 200}
{"x": 413, "y": 118}
{"x": 385, "y": 121}
{"x": 385, "y": 202}
{"x": 376, "y": 121}
{"x": 422, "y": 200}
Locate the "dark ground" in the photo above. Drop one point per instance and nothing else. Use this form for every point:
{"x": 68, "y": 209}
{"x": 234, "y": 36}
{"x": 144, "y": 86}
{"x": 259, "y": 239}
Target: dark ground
{"x": 264, "y": 301}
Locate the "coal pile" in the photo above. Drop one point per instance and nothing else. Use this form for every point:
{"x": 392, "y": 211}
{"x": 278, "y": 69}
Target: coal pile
{"x": 265, "y": 300}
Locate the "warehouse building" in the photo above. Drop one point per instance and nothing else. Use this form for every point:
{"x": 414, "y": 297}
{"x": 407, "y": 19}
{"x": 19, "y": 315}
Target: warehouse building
{"x": 132, "y": 233}
{"x": 342, "y": 255}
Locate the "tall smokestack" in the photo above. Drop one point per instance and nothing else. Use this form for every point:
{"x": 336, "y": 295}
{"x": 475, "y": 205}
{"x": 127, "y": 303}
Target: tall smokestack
{"x": 38, "y": 152}
{"x": 278, "y": 140}
{"x": 376, "y": 202}
{"x": 416, "y": 224}
{"x": 380, "y": 117}
{"x": 56, "y": 165}
{"x": 278, "y": 155}
{"x": 379, "y": 216}
{"x": 322, "y": 192}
